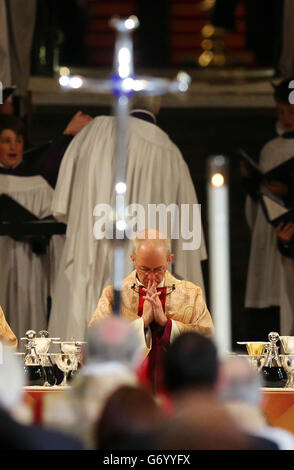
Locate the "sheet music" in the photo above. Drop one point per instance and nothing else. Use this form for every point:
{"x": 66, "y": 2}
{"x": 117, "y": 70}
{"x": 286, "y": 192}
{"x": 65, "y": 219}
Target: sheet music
{"x": 265, "y": 191}
{"x": 273, "y": 208}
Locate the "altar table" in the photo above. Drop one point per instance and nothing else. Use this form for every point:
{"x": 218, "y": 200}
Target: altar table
{"x": 34, "y": 396}
{"x": 278, "y": 404}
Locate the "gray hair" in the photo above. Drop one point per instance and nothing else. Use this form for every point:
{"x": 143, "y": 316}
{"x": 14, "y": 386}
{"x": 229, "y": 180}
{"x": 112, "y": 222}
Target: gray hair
{"x": 113, "y": 339}
{"x": 11, "y": 377}
{"x": 242, "y": 382}
{"x": 150, "y": 103}
{"x": 158, "y": 239}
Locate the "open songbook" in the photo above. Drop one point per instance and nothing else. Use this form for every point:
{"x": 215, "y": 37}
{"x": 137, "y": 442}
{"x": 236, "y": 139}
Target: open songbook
{"x": 17, "y": 221}
{"x": 283, "y": 172}
{"x": 274, "y": 208}
{"x": 8, "y": 91}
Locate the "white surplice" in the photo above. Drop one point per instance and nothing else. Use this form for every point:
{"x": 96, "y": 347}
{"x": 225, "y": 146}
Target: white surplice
{"x": 270, "y": 275}
{"x": 27, "y": 278}
{"x": 156, "y": 173}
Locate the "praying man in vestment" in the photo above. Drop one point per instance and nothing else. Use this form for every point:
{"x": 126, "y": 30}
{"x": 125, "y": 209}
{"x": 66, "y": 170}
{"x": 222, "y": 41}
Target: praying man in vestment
{"x": 160, "y": 306}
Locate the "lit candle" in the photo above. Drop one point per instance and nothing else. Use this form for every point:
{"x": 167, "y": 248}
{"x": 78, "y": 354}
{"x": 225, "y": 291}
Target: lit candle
{"x": 219, "y": 258}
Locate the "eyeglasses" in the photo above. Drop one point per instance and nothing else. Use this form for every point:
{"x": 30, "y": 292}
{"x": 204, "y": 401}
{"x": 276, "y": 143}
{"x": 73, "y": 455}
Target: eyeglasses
{"x": 160, "y": 270}
{"x": 169, "y": 289}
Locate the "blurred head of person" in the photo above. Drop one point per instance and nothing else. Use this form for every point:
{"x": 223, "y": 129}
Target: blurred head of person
{"x": 190, "y": 364}
{"x": 130, "y": 419}
{"x": 113, "y": 340}
{"x": 205, "y": 426}
{"x": 240, "y": 391}
{"x": 112, "y": 353}
{"x": 241, "y": 382}
{"x": 285, "y": 109}
{"x": 151, "y": 256}
{"x": 11, "y": 141}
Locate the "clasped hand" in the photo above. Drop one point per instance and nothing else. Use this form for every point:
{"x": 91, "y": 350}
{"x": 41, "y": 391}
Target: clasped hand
{"x": 152, "y": 308}
{"x": 285, "y": 232}
{"x": 277, "y": 187}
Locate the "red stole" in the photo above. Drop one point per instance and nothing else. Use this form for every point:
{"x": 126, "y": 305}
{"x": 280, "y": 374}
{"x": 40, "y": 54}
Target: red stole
{"x": 150, "y": 372}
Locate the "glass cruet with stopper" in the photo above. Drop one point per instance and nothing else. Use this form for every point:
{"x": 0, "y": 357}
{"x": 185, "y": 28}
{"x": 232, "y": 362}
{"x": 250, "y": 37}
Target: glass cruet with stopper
{"x": 272, "y": 371}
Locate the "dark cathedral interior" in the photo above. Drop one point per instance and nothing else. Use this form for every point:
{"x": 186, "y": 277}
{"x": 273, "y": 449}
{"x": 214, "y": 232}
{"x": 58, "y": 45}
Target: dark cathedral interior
{"x": 172, "y": 36}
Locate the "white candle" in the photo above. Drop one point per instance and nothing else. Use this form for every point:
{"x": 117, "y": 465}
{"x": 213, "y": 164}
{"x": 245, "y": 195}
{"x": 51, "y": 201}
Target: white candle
{"x": 219, "y": 259}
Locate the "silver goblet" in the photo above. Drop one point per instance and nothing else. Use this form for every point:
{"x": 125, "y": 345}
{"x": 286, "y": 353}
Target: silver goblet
{"x": 255, "y": 350}
{"x": 288, "y": 364}
{"x": 66, "y": 363}
{"x": 288, "y": 344}
{"x": 42, "y": 342}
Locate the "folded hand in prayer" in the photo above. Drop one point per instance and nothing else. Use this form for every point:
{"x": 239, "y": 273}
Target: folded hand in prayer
{"x": 152, "y": 298}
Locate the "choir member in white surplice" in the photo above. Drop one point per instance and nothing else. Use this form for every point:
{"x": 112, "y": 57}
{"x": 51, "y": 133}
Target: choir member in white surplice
{"x": 156, "y": 173}
{"x": 270, "y": 274}
{"x": 27, "y": 274}
{"x": 27, "y": 277}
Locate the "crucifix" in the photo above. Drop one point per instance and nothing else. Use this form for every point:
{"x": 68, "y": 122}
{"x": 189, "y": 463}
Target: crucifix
{"x": 123, "y": 84}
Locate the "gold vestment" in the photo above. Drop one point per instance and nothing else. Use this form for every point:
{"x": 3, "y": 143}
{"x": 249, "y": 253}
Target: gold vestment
{"x": 185, "y": 306}
{"x": 6, "y": 333}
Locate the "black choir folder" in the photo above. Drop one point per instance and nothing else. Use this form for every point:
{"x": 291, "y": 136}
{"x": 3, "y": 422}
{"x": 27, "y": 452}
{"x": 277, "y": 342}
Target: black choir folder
{"x": 8, "y": 91}
{"x": 274, "y": 209}
{"x": 283, "y": 172}
{"x": 16, "y": 220}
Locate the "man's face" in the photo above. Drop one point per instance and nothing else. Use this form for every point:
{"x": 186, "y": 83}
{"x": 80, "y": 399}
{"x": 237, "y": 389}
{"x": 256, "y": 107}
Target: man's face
{"x": 11, "y": 148}
{"x": 286, "y": 115}
{"x": 151, "y": 263}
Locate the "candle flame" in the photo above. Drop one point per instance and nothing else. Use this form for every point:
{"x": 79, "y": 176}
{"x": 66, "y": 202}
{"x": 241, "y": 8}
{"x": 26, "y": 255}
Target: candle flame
{"x": 217, "y": 180}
